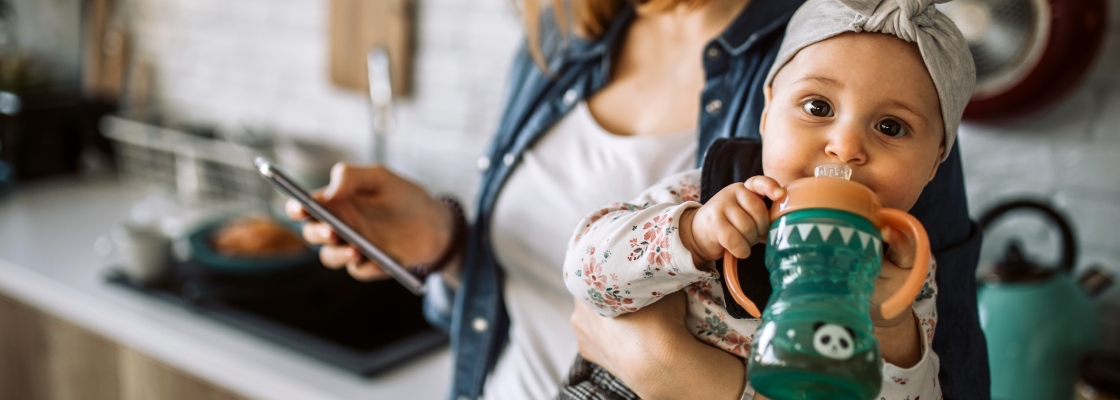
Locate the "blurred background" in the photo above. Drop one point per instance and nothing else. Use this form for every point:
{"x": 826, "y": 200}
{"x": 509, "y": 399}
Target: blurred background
{"x": 127, "y": 126}
{"x": 266, "y": 66}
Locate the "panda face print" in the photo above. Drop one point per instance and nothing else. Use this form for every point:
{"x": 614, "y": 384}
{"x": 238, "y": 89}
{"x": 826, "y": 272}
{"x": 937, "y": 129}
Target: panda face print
{"x": 833, "y": 341}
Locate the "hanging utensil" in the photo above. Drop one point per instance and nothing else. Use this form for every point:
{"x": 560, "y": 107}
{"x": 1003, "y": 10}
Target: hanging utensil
{"x": 381, "y": 99}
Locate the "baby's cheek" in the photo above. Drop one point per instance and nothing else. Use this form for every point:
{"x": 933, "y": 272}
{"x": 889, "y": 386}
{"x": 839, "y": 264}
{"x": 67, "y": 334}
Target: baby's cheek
{"x": 783, "y": 163}
{"x": 899, "y": 190}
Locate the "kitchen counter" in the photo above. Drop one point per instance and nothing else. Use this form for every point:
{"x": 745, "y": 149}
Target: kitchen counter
{"x": 47, "y": 261}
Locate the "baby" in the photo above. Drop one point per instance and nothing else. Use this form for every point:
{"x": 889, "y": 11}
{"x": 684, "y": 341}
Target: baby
{"x": 877, "y": 85}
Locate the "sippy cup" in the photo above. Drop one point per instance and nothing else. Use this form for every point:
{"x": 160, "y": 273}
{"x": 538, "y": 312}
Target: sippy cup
{"x": 824, "y": 252}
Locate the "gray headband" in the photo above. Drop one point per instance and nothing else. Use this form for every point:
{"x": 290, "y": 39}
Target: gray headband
{"x": 943, "y": 49}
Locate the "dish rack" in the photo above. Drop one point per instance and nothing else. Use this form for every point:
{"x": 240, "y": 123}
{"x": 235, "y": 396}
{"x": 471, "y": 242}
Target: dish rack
{"x": 199, "y": 171}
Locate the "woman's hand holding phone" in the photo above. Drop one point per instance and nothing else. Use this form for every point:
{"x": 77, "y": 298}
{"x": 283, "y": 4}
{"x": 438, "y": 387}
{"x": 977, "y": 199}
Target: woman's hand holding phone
{"x": 395, "y": 214}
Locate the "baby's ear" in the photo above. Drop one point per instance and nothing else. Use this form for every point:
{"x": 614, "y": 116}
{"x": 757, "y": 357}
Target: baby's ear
{"x": 937, "y": 162}
{"x": 768, "y": 92}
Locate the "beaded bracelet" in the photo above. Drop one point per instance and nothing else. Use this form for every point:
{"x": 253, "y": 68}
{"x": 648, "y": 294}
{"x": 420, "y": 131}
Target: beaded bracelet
{"x": 458, "y": 240}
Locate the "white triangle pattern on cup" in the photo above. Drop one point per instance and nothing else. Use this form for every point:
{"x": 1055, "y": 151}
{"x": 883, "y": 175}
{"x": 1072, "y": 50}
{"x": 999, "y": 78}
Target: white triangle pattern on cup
{"x": 804, "y": 230}
{"x": 864, "y": 239}
{"x": 825, "y": 230}
{"x": 786, "y": 232}
{"x": 846, "y": 233}
{"x": 779, "y": 237}
{"x": 783, "y": 238}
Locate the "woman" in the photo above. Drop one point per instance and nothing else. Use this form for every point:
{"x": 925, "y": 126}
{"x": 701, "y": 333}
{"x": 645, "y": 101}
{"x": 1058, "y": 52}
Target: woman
{"x": 617, "y": 95}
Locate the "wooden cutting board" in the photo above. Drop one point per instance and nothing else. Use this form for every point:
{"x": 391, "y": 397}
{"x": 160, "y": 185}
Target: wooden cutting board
{"x": 106, "y": 48}
{"x": 356, "y": 26}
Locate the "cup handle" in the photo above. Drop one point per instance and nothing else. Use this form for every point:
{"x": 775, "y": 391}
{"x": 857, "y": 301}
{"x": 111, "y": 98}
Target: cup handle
{"x": 731, "y": 279}
{"x": 900, "y": 300}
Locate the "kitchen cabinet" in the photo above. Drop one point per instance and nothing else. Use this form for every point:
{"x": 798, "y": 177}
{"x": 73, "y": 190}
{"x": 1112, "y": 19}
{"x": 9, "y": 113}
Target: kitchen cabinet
{"x": 43, "y": 357}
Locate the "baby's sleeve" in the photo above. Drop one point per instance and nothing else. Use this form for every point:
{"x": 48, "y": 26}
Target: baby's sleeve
{"x": 919, "y": 380}
{"x": 627, "y": 255}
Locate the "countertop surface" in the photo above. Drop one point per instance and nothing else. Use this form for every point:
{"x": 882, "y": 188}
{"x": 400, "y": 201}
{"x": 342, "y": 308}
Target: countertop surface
{"x": 47, "y": 231}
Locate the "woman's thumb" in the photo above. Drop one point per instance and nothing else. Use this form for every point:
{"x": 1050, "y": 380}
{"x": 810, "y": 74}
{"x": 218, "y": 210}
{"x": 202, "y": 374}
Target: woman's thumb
{"x": 338, "y": 172}
{"x": 347, "y": 179}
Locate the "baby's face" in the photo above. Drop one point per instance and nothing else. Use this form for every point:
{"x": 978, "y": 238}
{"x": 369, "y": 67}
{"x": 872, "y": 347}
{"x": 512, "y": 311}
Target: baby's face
{"x": 864, "y": 100}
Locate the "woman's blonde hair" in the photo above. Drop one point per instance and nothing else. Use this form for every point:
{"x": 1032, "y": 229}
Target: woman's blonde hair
{"x": 586, "y": 18}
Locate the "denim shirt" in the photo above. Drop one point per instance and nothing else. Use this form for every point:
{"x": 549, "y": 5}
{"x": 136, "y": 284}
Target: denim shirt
{"x": 735, "y": 65}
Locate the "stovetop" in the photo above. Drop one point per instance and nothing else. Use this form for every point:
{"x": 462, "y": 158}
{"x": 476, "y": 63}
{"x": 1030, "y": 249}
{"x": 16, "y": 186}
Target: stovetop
{"x": 362, "y": 327}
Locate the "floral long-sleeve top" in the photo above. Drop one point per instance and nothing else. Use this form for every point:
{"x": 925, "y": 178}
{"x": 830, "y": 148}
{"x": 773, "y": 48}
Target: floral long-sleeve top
{"x": 625, "y": 256}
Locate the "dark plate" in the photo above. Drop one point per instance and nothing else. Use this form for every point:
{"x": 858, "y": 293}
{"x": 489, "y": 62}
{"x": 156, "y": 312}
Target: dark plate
{"x": 205, "y": 254}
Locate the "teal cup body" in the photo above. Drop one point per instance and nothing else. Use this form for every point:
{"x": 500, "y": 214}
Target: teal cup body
{"x": 816, "y": 340}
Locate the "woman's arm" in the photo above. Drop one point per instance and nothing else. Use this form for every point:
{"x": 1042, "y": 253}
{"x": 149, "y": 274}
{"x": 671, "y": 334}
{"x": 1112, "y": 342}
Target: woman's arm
{"x": 655, "y": 355}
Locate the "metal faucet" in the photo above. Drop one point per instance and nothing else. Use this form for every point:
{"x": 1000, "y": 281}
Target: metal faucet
{"x": 381, "y": 99}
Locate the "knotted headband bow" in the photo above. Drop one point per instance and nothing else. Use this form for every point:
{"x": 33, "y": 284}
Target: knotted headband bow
{"x": 941, "y": 44}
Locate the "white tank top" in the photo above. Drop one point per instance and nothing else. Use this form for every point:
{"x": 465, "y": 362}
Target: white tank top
{"x": 575, "y": 168}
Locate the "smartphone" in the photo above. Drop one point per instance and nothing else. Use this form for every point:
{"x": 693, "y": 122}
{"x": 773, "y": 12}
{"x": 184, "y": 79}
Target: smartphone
{"x": 280, "y": 181}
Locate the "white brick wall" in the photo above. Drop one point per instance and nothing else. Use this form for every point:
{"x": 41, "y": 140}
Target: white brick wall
{"x": 48, "y": 30}
{"x": 262, "y": 63}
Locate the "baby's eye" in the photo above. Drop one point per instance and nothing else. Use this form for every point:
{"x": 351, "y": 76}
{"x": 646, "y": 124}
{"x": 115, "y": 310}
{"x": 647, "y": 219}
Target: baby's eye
{"x": 819, "y": 108}
{"x": 891, "y": 128}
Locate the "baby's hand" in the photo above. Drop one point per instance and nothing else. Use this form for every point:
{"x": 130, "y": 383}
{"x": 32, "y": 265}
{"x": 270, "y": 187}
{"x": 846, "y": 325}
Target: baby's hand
{"x": 897, "y": 263}
{"x": 899, "y": 339}
{"x": 734, "y": 219}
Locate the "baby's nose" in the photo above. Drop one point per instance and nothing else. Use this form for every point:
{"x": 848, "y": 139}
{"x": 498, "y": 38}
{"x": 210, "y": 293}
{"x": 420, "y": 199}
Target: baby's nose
{"x": 846, "y": 145}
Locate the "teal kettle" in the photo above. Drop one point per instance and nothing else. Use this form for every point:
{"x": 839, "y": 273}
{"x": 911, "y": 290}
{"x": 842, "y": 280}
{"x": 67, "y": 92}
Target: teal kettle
{"x": 1038, "y": 321}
